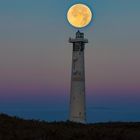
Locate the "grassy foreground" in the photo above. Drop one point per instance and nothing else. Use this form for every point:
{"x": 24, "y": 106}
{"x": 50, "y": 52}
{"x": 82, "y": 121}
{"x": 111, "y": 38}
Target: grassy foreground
{"x": 13, "y": 128}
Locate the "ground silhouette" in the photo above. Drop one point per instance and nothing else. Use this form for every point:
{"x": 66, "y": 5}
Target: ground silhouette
{"x": 14, "y": 128}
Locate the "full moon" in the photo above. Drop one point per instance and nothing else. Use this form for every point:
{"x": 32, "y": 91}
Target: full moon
{"x": 79, "y": 15}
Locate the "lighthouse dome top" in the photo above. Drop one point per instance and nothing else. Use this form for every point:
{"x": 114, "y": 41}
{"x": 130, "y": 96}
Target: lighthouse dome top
{"x": 79, "y": 38}
{"x": 79, "y": 34}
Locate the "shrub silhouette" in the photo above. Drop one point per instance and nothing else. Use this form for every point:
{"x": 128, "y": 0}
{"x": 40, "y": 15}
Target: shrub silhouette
{"x": 15, "y": 128}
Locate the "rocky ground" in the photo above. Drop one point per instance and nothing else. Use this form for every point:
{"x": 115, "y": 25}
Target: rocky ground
{"x": 14, "y": 128}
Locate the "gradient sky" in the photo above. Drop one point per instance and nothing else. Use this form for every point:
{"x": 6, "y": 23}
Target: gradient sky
{"x": 35, "y": 59}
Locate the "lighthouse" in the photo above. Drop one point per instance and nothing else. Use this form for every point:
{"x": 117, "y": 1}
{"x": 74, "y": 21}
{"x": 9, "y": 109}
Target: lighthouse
{"x": 77, "y": 110}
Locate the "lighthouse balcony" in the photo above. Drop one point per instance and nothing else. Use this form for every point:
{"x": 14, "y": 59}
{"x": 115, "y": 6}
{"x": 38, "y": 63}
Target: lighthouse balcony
{"x": 74, "y": 40}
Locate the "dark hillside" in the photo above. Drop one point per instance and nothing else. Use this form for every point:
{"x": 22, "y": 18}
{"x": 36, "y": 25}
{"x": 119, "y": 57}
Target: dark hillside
{"x": 13, "y": 128}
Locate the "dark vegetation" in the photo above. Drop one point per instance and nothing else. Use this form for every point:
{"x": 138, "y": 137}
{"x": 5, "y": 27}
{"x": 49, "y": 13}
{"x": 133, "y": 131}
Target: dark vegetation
{"x": 14, "y": 128}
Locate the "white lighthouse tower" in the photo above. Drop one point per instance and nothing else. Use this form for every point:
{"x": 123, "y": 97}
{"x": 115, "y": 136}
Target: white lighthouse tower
{"x": 77, "y": 94}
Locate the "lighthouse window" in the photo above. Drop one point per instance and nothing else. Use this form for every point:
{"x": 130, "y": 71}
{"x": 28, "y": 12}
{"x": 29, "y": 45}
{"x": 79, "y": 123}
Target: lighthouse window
{"x": 76, "y": 48}
{"x": 74, "y": 66}
{"x": 82, "y": 48}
